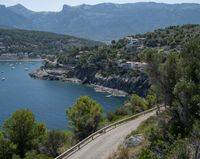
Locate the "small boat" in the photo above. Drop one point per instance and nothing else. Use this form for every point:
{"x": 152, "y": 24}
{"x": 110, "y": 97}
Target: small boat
{"x": 13, "y": 67}
{"x": 3, "y": 78}
{"x": 108, "y": 96}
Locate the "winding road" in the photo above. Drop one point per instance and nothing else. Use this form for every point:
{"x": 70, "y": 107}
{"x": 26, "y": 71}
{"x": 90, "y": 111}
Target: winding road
{"x": 104, "y": 145}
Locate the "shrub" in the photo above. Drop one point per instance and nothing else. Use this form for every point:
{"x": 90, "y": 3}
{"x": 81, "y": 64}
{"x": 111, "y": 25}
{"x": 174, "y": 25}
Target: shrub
{"x": 54, "y": 142}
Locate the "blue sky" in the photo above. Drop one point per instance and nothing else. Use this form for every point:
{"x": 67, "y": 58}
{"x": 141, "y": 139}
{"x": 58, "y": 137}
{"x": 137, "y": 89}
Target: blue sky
{"x": 56, "y": 5}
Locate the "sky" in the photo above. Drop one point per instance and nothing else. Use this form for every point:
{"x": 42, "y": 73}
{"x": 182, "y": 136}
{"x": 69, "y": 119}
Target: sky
{"x": 56, "y": 5}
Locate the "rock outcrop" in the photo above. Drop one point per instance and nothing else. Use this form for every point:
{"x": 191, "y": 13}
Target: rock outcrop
{"x": 134, "y": 141}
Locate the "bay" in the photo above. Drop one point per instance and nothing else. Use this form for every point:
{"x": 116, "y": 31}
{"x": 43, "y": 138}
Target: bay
{"x": 47, "y": 99}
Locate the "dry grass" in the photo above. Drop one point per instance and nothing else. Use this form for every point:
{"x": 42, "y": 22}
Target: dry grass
{"x": 122, "y": 153}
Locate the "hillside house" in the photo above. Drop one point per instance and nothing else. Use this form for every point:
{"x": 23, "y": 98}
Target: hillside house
{"x": 134, "y": 44}
{"x": 131, "y": 64}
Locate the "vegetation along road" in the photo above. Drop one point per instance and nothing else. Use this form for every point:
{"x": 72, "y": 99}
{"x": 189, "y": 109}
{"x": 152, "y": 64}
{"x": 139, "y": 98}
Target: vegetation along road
{"x": 103, "y": 146}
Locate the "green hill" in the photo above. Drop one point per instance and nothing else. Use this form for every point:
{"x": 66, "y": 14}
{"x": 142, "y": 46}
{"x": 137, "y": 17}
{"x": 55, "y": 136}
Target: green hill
{"x": 173, "y": 37}
{"x": 170, "y": 38}
{"x": 15, "y": 41}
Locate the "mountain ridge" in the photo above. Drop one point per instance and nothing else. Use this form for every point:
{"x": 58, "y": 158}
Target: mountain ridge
{"x": 104, "y": 21}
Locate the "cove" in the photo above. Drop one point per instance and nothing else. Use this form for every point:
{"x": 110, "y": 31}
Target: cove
{"x": 47, "y": 99}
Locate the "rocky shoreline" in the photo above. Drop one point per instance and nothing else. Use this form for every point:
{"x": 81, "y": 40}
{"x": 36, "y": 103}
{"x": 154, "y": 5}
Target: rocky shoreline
{"x": 63, "y": 75}
{"x": 113, "y": 92}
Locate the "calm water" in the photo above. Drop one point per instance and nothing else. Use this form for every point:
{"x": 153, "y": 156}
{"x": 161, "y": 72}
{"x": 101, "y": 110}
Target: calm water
{"x": 47, "y": 99}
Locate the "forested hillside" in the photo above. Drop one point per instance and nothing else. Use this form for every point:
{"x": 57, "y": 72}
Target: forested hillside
{"x": 173, "y": 37}
{"x": 173, "y": 133}
{"x": 120, "y": 65}
{"x": 175, "y": 81}
{"x": 16, "y": 41}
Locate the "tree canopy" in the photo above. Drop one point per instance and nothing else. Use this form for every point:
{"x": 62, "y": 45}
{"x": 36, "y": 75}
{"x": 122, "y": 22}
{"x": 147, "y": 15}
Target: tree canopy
{"x": 84, "y": 117}
{"x": 22, "y": 130}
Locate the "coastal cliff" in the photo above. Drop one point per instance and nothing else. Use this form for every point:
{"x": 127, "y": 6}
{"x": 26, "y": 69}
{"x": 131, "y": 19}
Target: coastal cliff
{"x": 138, "y": 84}
{"x": 115, "y": 85}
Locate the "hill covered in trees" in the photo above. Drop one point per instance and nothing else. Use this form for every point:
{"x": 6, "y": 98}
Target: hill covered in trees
{"x": 103, "y": 22}
{"x": 16, "y": 41}
{"x": 119, "y": 65}
{"x": 173, "y": 133}
{"x": 173, "y": 37}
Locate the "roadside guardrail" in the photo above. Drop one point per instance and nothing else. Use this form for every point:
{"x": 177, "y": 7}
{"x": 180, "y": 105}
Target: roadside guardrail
{"x": 100, "y": 132}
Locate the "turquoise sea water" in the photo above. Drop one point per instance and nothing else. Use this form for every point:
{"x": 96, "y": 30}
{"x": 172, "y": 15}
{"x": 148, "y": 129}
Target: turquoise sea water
{"x": 47, "y": 99}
